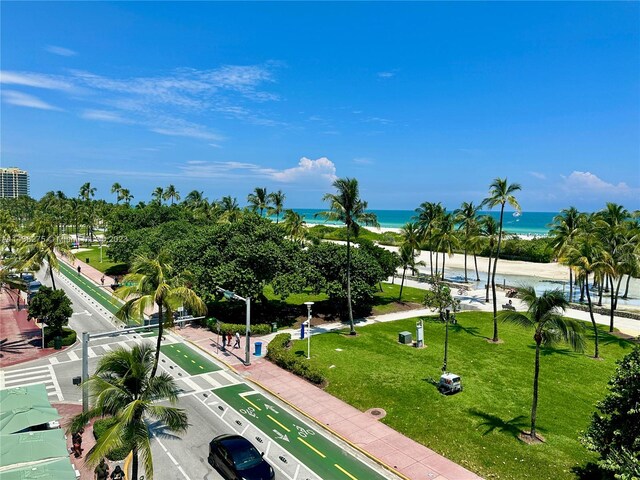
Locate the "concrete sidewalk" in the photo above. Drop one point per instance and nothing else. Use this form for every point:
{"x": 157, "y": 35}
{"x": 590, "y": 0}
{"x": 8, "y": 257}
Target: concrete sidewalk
{"x": 361, "y": 429}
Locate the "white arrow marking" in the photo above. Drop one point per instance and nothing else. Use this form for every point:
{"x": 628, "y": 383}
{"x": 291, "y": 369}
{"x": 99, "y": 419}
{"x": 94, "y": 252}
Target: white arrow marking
{"x": 280, "y": 436}
{"x": 269, "y": 407}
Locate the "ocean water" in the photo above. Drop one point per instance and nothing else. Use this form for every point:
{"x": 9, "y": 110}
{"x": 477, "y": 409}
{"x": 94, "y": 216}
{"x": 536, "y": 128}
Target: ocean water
{"x": 528, "y": 223}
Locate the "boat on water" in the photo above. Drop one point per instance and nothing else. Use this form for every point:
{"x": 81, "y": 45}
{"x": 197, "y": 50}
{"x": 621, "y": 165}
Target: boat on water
{"x": 516, "y": 214}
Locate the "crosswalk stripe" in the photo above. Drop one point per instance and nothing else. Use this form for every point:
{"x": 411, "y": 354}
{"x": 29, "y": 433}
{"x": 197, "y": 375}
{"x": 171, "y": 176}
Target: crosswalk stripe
{"x": 228, "y": 377}
{"x": 73, "y": 355}
{"x": 27, "y": 369}
{"x": 91, "y": 353}
{"x": 193, "y": 385}
{"x": 18, "y": 373}
{"x": 107, "y": 348}
{"x": 54, "y": 360}
{"x": 11, "y": 380}
{"x": 46, "y": 384}
{"x": 211, "y": 381}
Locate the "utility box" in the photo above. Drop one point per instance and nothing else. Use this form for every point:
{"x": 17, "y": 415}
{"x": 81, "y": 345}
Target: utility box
{"x": 405, "y": 338}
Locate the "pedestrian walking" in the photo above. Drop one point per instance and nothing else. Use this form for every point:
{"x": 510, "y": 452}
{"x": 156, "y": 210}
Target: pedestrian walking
{"x": 76, "y": 439}
{"x": 117, "y": 473}
{"x": 78, "y": 269}
{"x": 102, "y": 280}
{"x": 102, "y": 470}
{"x": 229, "y": 337}
{"x": 237, "y": 344}
{"x": 224, "y": 340}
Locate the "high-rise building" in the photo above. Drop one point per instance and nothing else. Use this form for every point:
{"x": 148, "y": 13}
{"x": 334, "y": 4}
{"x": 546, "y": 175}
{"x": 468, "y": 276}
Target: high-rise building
{"x": 13, "y": 183}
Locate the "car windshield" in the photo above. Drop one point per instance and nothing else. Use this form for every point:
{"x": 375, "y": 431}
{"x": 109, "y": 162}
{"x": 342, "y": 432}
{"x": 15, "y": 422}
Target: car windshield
{"x": 244, "y": 455}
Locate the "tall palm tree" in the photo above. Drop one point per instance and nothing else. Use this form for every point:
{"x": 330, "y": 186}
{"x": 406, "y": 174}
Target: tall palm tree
{"x": 154, "y": 283}
{"x": 258, "y": 200}
{"x": 117, "y": 189}
{"x": 467, "y": 218}
{"x": 123, "y": 388}
{"x": 125, "y": 195}
{"x": 276, "y": 199}
{"x": 194, "y": 199}
{"x": 158, "y": 195}
{"x": 170, "y": 193}
{"x": 586, "y": 255}
{"x": 408, "y": 261}
{"x": 42, "y": 248}
{"x": 489, "y": 230}
{"x": 347, "y": 207}
{"x": 294, "y": 226}
{"x": 564, "y": 229}
{"x": 87, "y": 192}
{"x": 550, "y": 327}
{"x": 229, "y": 209}
{"x": 500, "y": 193}
{"x": 427, "y": 215}
{"x": 445, "y": 237}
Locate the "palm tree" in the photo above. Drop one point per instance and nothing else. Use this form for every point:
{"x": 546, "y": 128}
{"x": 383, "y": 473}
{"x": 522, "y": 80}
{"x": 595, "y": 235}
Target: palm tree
{"x": 117, "y": 189}
{"x": 276, "y": 199}
{"x": 42, "y": 248}
{"x": 586, "y": 255}
{"x": 427, "y": 215}
{"x": 123, "y": 388}
{"x": 408, "y": 259}
{"x": 229, "y": 209}
{"x": 347, "y": 207}
{"x": 489, "y": 230}
{"x": 467, "y": 218}
{"x": 445, "y": 237}
{"x": 154, "y": 283}
{"x": 194, "y": 199}
{"x": 500, "y": 193}
{"x": 125, "y": 195}
{"x": 8, "y": 231}
{"x": 294, "y": 226}
{"x": 564, "y": 230}
{"x": 170, "y": 193}
{"x": 550, "y": 327}
{"x": 258, "y": 200}
{"x": 158, "y": 195}
{"x": 87, "y": 192}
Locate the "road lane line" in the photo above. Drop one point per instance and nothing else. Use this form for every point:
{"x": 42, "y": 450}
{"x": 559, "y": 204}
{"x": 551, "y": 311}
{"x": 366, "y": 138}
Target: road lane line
{"x": 252, "y": 404}
{"x": 171, "y": 457}
{"x": 344, "y": 471}
{"x": 273, "y": 419}
{"x": 312, "y": 447}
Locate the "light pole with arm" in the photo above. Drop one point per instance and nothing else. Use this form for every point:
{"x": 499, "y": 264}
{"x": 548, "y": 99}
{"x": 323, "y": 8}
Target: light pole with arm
{"x": 308, "y": 304}
{"x": 231, "y": 295}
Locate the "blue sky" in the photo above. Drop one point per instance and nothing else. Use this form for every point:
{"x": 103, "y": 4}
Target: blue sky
{"x": 418, "y": 101}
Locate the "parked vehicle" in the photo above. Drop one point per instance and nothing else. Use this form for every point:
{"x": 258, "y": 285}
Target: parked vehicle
{"x": 449, "y": 383}
{"x": 235, "y": 458}
{"x": 33, "y": 288}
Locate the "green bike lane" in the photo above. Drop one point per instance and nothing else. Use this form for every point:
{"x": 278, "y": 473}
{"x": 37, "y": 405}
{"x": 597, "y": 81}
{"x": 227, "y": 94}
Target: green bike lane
{"x": 320, "y": 455}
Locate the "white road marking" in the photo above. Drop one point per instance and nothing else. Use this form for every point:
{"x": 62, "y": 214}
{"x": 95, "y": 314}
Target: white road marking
{"x": 171, "y": 457}
{"x": 55, "y": 383}
{"x": 38, "y": 378}
{"x": 211, "y": 381}
{"x": 226, "y": 375}
{"x": 193, "y": 385}
{"x": 53, "y": 360}
{"x": 20, "y": 373}
{"x": 73, "y": 356}
{"x": 91, "y": 353}
{"x": 107, "y": 348}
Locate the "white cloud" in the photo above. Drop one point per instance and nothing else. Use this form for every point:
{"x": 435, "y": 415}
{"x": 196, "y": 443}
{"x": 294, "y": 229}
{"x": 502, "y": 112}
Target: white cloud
{"x": 65, "y": 52}
{"x": 386, "y": 74}
{"x": 581, "y": 181}
{"x": 24, "y": 100}
{"x": 363, "y": 161}
{"x": 382, "y": 121}
{"x": 104, "y": 116}
{"x": 36, "y": 80}
{"x": 322, "y": 168}
{"x": 538, "y": 175}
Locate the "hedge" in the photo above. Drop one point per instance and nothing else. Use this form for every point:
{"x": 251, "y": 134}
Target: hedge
{"x": 68, "y": 337}
{"x": 100, "y": 427}
{"x": 256, "y": 330}
{"x": 279, "y": 353}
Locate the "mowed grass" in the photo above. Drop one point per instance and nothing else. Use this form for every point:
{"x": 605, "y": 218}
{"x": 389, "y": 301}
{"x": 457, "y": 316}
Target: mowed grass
{"x": 477, "y": 428}
{"x": 107, "y": 266}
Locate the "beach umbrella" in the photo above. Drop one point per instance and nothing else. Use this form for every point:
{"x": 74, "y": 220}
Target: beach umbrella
{"x": 21, "y": 418}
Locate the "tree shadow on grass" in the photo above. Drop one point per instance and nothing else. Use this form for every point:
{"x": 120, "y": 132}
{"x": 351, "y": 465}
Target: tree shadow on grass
{"x": 547, "y": 351}
{"x": 625, "y": 342}
{"x": 591, "y": 471}
{"x": 473, "y": 331}
{"x": 513, "y": 427}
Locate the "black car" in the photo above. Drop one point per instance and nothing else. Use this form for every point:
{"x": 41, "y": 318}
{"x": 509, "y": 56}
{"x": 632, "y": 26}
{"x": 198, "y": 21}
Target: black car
{"x": 236, "y": 458}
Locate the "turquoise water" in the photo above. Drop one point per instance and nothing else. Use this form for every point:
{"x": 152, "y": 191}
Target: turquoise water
{"x": 528, "y": 223}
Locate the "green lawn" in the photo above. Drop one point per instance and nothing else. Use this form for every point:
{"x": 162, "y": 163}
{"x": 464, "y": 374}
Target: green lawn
{"x": 107, "y": 266}
{"x": 385, "y": 301}
{"x": 477, "y": 428}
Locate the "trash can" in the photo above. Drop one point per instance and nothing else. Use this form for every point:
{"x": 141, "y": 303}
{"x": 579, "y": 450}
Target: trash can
{"x": 258, "y": 351}
{"x": 76, "y": 380}
{"x": 86, "y": 260}
{"x": 57, "y": 342}
{"x": 274, "y": 327}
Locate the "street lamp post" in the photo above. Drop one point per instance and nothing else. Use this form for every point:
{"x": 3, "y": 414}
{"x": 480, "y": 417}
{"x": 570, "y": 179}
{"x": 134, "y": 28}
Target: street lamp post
{"x": 446, "y": 341}
{"x": 231, "y": 295}
{"x": 308, "y": 304}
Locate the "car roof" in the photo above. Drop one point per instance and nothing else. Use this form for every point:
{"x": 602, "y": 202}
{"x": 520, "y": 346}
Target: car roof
{"x": 229, "y": 439}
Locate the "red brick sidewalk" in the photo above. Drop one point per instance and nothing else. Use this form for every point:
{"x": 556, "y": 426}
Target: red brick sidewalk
{"x": 366, "y": 432}
{"x": 20, "y": 339}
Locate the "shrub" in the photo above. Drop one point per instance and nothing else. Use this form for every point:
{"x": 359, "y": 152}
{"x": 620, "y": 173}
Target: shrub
{"x": 279, "y": 353}
{"x": 256, "y": 330}
{"x": 100, "y": 427}
{"x": 68, "y": 337}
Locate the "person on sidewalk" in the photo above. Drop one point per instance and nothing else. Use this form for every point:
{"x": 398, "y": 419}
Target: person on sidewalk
{"x": 79, "y": 269}
{"x": 237, "y": 344}
{"x": 117, "y": 473}
{"x": 102, "y": 280}
{"x": 77, "y": 443}
{"x": 229, "y": 337}
{"x": 224, "y": 340}
{"x": 102, "y": 470}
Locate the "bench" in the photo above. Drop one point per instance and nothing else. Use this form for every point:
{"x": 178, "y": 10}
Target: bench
{"x": 508, "y": 306}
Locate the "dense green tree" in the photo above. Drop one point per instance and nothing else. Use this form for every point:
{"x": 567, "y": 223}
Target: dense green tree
{"x": 124, "y": 388}
{"x": 294, "y": 226}
{"x": 500, "y": 193}
{"x": 614, "y": 431}
{"x": 52, "y": 307}
{"x": 347, "y": 207}
{"x": 550, "y": 327}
